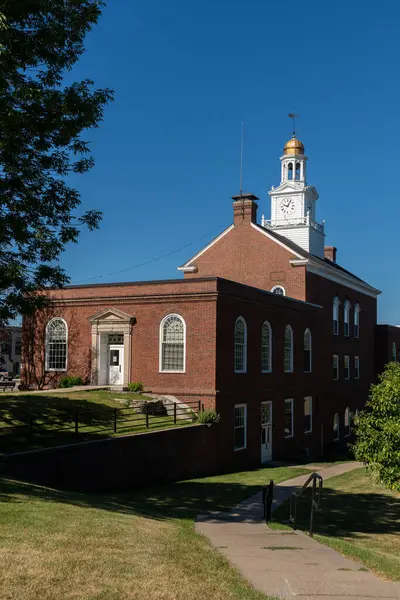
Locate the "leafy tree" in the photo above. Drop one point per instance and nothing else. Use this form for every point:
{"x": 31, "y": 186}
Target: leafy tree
{"x": 41, "y": 126}
{"x": 378, "y": 428}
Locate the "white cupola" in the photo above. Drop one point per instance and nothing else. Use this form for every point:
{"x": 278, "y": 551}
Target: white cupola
{"x": 293, "y": 211}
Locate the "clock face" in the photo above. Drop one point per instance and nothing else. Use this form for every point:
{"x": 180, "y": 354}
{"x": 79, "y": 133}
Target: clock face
{"x": 288, "y": 205}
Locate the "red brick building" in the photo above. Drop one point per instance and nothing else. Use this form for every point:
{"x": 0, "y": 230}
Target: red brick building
{"x": 265, "y": 326}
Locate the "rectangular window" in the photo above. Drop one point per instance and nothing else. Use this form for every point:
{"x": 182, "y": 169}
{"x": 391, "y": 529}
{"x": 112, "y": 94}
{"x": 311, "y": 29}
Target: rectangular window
{"x": 335, "y": 365}
{"x": 347, "y": 367}
{"x": 356, "y": 367}
{"x": 288, "y": 418}
{"x": 355, "y": 330}
{"x": 346, "y": 329}
{"x": 240, "y": 426}
{"x": 18, "y": 346}
{"x": 308, "y": 414}
{"x": 335, "y": 327}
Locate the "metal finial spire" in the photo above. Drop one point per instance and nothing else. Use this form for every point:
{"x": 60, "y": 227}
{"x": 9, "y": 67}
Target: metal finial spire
{"x": 294, "y": 117}
{"x": 241, "y": 161}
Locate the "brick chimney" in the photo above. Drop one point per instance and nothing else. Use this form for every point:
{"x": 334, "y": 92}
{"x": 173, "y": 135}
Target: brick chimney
{"x": 244, "y": 208}
{"x": 330, "y": 252}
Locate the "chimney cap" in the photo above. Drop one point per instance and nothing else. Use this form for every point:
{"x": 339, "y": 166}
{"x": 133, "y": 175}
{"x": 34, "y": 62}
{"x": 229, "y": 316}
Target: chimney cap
{"x": 245, "y": 196}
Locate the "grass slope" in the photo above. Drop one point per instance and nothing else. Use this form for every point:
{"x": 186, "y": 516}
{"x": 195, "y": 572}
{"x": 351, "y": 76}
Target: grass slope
{"x": 358, "y": 518}
{"x": 54, "y": 417}
{"x": 139, "y": 546}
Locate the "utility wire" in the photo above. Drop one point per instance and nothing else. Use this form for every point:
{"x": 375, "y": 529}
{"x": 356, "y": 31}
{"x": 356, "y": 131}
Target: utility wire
{"x": 148, "y": 262}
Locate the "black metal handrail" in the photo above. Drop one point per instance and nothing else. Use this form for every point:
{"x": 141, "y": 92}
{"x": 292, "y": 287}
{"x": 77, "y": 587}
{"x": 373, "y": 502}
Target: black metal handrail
{"x": 316, "y": 496}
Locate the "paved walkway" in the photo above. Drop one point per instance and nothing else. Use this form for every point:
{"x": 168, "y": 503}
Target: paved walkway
{"x": 290, "y": 564}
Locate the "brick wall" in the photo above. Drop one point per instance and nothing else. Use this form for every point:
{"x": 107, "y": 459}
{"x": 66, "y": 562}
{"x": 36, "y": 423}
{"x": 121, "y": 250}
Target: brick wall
{"x": 386, "y": 335}
{"x": 126, "y": 463}
{"x": 247, "y": 255}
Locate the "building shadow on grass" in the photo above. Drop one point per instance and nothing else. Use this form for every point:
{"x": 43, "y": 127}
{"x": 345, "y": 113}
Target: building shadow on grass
{"x": 341, "y": 514}
{"x": 347, "y": 515}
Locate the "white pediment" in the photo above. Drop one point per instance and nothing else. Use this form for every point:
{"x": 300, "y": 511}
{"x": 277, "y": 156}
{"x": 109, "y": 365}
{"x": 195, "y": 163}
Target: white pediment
{"x": 111, "y": 315}
{"x": 287, "y": 187}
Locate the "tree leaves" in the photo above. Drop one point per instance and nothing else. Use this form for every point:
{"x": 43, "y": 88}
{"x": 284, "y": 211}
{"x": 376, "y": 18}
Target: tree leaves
{"x": 378, "y": 428}
{"x": 41, "y": 124}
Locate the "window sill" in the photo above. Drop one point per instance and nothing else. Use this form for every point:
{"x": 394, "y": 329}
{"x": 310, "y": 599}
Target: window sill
{"x": 266, "y": 372}
{"x": 181, "y": 372}
{"x": 288, "y": 372}
{"x": 240, "y": 372}
{"x": 288, "y": 437}
{"x": 56, "y": 370}
{"x": 239, "y": 449}
{"x": 308, "y": 432}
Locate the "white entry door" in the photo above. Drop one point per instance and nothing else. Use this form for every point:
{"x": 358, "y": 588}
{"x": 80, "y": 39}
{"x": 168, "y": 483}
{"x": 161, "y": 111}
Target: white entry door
{"x": 266, "y": 431}
{"x": 116, "y": 362}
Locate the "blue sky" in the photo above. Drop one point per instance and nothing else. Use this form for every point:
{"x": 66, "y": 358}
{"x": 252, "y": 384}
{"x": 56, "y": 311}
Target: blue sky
{"x": 186, "y": 74}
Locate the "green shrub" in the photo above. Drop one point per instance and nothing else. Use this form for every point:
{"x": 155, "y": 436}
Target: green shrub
{"x": 208, "y": 417}
{"x": 377, "y": 429}
{"x": 135, "y": 386}
{"x": 67, "y": 382}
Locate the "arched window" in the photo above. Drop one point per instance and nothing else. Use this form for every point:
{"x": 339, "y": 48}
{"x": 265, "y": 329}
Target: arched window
{"x": 278, "y": 290}
{"x": 297, "y": 172}
{"x": 394, "y": 352}
{"x": 240, "y": 345}
{"x": 336, "y": 427}
{"x": 347, "y": 307}
{"x": 307, "y": 351}
{"x": 288, "y": 350}
{"x": 336, "y": 304}
{"x": 347, "y": 422}
{"x": 56, "y": 345}
{"x": 266, "y": 348}
{"x": 356, "y": 328}
{"x": 172, "y": 344}
{"x": 290, "y": 171}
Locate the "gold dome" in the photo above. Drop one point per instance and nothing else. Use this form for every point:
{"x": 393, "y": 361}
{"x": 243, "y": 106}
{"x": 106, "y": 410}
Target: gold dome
{"x": 293, "y": 146}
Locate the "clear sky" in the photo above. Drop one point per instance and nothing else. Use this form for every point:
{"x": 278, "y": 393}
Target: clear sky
{"x": 186, "y": 74}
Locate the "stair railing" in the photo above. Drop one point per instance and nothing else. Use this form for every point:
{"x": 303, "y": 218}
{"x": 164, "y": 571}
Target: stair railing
{"x": 316, "y": 495}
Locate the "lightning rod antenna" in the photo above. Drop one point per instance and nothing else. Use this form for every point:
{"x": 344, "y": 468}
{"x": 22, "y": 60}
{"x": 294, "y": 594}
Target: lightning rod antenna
{"x": 241, "y": 161}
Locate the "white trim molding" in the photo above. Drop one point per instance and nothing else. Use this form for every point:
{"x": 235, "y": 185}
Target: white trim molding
{"x": 188, "y": 267}
{"x": 333, "y": 274}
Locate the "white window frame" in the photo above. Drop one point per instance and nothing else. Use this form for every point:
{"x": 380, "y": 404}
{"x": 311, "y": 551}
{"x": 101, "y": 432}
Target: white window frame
{"x": 161, "y": 342}
{"x": 269, "y": 367}
{"x": 336, "y": 432}
{"x": 310, "y": 338}
{"x": 309, "y": 398}
{"x": 245, "y": 426}
{"x": 356, "y": 327}
{"x": 291, "y": 369}
{"x": 335, "y": 356}
{"x": 347, "y": 422}
{"x": 346, "y": 318}
{"x": 47, "y": 345}
{"x": 356, "y": 367}
{"x": 394, "y": 352}
{"x": 291, "y": 400}
{"x": 244, "y": 370}
{"x": 280, "y": 287}
{"x": 346, "y": 369}
{"x": 335, "y": 315}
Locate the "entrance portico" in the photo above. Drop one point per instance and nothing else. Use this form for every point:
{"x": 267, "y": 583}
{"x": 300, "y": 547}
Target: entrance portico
{"x": 111, "y": 347}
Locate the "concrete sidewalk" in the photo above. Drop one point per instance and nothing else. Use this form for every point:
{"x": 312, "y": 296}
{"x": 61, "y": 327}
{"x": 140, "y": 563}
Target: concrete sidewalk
{"x": 289, "y": 564}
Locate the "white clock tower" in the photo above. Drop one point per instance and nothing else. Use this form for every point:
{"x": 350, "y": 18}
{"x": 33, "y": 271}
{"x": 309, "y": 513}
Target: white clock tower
{"x": 293, "y": 202}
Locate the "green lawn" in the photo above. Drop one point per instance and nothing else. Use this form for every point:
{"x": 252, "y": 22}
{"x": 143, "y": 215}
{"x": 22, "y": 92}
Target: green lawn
{"x": 43, "y": 419}
{"x": 358, "y": 518}
{"x": 139, "y": 546}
